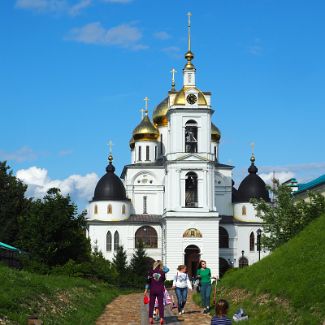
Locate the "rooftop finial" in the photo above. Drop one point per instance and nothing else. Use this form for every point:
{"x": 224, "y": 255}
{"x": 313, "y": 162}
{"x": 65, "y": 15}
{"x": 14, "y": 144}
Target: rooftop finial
{"x": 110, "y": 156}
{"x": 189, "y": 14}
{"x": 173, "y": 71}
{"x": 252, "y": 157}
{"x": 146, "y": 99}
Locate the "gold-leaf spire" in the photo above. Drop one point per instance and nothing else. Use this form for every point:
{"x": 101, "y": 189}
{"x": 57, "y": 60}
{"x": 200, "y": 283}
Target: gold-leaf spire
{"x": 189, "y": 56}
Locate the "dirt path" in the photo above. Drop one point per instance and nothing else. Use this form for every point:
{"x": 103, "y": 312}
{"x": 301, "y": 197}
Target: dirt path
{"x": 130, "y": 310}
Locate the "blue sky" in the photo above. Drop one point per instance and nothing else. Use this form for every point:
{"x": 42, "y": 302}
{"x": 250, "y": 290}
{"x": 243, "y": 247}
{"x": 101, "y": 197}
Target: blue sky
{"x": 73, "y": 75}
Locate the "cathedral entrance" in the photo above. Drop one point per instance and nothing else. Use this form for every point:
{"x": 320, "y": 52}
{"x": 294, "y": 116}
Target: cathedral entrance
{"x": 192, "y": 258}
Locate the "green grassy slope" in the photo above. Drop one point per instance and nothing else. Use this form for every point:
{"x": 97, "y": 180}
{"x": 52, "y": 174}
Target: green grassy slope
{"x": 287, "y": 287}
{"x": 54, "y": 299}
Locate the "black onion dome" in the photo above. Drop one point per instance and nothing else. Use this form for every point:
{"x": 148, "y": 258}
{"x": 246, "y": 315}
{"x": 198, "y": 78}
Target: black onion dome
{"x": 109, "y": 187}
{"x": 252, "y": 186}
{"x": 235, "y": 194}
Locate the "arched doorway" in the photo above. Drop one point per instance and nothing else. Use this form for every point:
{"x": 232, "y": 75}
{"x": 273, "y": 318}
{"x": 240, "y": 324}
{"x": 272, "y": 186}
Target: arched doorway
{"x": 192, "y": 258}
{"x": 223, "y": 266}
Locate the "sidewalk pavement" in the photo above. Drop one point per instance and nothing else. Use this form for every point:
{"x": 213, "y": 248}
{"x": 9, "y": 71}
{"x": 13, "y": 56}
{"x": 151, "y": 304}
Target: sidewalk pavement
{"x": 130, "y": 310}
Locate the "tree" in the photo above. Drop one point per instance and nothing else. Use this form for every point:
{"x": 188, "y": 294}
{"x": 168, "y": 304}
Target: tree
{"x": 286, "y": 217}
{"x": 120, "y": 260}
{"x": 52, "y": 231}
{"x": 139, "y": 261}
{"x": 12, "y": 204}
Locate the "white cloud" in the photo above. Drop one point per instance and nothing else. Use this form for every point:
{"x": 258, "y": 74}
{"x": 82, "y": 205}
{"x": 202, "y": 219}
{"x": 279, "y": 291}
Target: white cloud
{"x": 65, "y": 152}
{"x": 77, "y": 8}
{"x": 81, "y": 188}
{"x": 42, "y": 5}
{"x": 161, "y": 35}
{"x": 118, "y": 1}
{"x": 173, "y": 51}
{"x": 256, "y": 48}
{"x": 22, "y": 154}
{"x": 53, "y": 6}
{"x": 124, "y": 35}
{"x": 281, "y": 176}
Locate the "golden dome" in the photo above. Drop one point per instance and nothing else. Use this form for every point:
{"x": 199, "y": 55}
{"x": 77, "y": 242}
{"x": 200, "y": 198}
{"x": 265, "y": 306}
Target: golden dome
{"x": 132, "y": 143}
{"x": 180, "y": 97}
{"x": 159, "y": 115}
{"x": 145, "y": 131}
{"x": 215, "y": 133}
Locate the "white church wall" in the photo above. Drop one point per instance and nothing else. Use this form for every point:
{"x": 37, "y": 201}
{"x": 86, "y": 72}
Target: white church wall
{"x": 132, "y": 156}
{"x": 105, "y": 214}
{"x": 223, "y": 191}
{"x": 229, "y": 253}
{"x": 243, "y": 244}
{"x": 98, "y": 232}
{"x": 175, "y": 185}
{"x": 214, "y": 150}
{"x": 145, "y": 158}
{"x": 177, "y": 130}
{"x": 148, "y": 183}
{"x": 249, "y": 216}
{"x": 176, "y": 243}
{"x": 162, "y": 146}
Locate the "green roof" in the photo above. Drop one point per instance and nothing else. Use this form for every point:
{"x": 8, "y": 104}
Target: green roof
{"x": 308, "y": 186}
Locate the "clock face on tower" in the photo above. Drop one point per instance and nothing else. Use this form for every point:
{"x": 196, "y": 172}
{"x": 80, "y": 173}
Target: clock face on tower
{"x": 191, "y": 99}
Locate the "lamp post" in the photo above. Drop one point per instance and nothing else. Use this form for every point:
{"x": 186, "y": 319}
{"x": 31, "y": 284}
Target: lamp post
{"x": 259, "y": 232}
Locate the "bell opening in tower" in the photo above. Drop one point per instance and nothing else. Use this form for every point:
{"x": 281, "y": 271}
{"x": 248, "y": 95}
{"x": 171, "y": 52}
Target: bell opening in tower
{"x": 191, "y": 136}
{"x": 191, "y": 197}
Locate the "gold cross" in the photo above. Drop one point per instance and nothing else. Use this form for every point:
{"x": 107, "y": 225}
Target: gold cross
{"x": 146, "y": 99}
{"x": 253, "y": 145}
{"x": 110, "y": 145}
{"x": 173, "y": 71}
{"x": 189, "y": 14}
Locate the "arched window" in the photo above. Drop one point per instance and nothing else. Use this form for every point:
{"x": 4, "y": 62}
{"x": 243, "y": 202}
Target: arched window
{"x": 147, "y": 236}
{"x": 243, "y": 210}
{"x": 109, "y": 209}
{"x": 95, "y": 209}
{"x": 223, "y": 238}
{"x": 108, "y": 241}
{"x": 123, "y": 209}
{"x": 191, "y": 197}
{"x": 252, "y": 242}
{"x": 191, "y": 136}
{"x": 243, "y": 262}
{"x": 116, "y": 240}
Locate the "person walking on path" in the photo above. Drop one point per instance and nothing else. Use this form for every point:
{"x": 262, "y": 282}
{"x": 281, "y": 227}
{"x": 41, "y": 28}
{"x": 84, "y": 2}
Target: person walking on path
{"x": 156, "y": 279}
{"x": 181, "y": 284}
{"x": 204, "y": 274}
{"x": 221, "y": 314}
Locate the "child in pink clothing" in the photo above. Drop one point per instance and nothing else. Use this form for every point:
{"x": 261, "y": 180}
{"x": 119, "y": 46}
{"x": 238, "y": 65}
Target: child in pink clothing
{"x": 167, "y": 300}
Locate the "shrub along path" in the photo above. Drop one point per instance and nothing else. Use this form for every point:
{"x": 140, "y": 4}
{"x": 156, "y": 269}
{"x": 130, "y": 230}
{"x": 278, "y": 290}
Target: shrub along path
{"x": 130, "y": 310}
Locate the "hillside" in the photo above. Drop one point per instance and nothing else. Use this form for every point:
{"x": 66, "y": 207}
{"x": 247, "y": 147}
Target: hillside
{"x": 287, "y": 287}
{"x": 54, "y": 299}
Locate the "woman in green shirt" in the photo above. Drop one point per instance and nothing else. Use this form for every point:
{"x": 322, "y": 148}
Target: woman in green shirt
{"x": 204, "y": 274}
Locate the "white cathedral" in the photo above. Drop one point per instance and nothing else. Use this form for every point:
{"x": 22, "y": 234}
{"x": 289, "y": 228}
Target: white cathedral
{"x": 175, "y": 196}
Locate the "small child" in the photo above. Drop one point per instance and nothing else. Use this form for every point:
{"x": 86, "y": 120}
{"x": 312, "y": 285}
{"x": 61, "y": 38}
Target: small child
{"x": 221, "y": 314}
{"x": 167, "y": 300}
